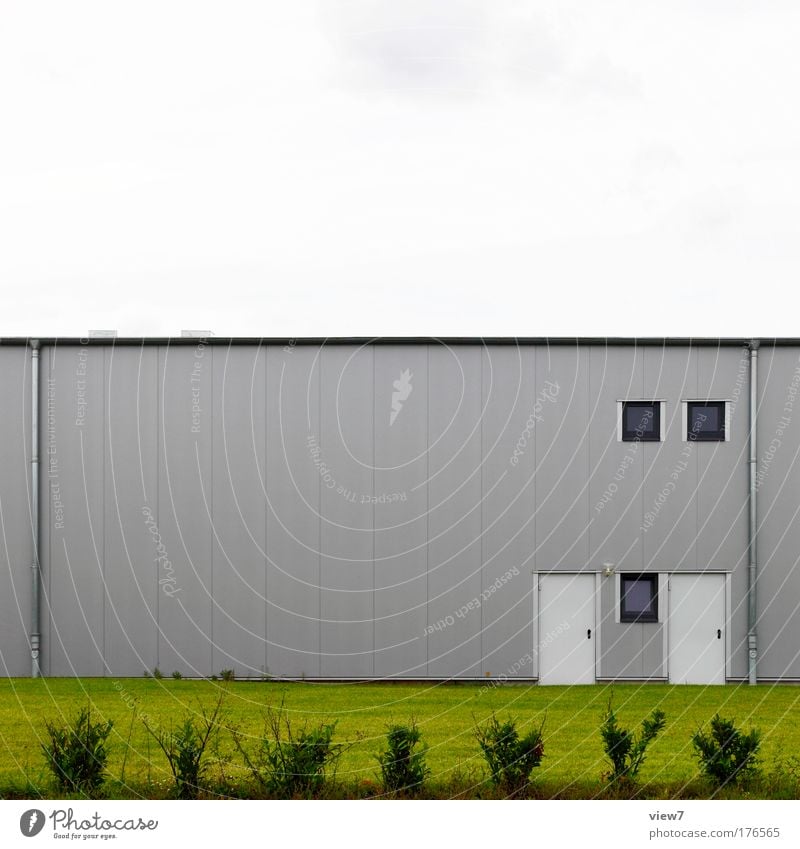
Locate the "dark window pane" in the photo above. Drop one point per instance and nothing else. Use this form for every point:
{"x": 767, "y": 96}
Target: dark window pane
{"x": 639, "y": 598}
{"x": 641, "y": 420}
{"x": 712, "y": 418}
{"x": 706, "y": 420}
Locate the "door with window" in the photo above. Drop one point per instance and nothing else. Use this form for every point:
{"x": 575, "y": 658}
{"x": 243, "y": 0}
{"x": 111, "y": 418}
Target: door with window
{"x": 565, "y": 636}
{"x": 696, "y": 629}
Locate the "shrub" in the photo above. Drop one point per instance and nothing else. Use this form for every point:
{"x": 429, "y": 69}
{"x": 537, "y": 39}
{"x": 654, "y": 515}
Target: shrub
{"x": 511, "y": 758}
{"x": 177, "y": 675}
{"x": 289, "y": 762}
{"x": 726, "y": 754}
{"x": 227, "y": 675}
{"x": 185, "y": 749}
{"x": 624, "y": 748}
{"x": 403, "y": 766}
{"x": 157, "y": 674}
{"x": 77, "y": 752}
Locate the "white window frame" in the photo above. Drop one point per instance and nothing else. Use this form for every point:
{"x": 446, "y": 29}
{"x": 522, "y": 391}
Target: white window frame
{"x": 661, "y": 415}
{"x": 685, "y": 418}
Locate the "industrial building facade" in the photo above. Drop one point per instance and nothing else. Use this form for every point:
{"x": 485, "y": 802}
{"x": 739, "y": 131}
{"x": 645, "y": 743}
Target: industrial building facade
{"x": 562, "y": 510}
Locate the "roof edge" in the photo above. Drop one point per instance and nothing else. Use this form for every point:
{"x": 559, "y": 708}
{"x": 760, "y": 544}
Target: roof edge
{"x": 658, "y": 341}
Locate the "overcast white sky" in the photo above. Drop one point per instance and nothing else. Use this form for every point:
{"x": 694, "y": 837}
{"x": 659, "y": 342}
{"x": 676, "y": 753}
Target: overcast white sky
{"x": 396, "y": 167}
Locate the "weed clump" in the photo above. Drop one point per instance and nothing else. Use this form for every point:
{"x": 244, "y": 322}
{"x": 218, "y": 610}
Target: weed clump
{"x": 403, "y": 765}
{"x": 76, "y": 752}
{"x": 511, "y": 758}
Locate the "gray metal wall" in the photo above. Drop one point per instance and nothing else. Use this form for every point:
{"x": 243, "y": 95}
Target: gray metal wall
{"x": 779, "y": 513}
{"x": 16, "y": 538}
{"x": 257, "y": 507}
{"x": 676, "y": 506}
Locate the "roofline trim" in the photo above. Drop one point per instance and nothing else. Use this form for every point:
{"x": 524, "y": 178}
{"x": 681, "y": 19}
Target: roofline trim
{"x": 608, "y": 341}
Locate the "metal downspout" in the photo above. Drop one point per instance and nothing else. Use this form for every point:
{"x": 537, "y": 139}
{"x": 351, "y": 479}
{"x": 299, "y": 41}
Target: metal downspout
{"x": 35, "y": 568}
{"x": 752, "y": 565}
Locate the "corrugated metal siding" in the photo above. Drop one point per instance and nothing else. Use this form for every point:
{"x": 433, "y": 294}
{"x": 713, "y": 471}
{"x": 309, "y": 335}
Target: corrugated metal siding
{"x": 239, "y": 544}
{"x": 304, "y": 532}
{"x": 401, "y": 515}
{"x": 454, "y": 513}
{"x": 293, "y": 485}
{"x": 779, "y": 515}
{"x": 508, "y": 537}
{"x": 16, "y": 538}
{"x": 131, "y": 486}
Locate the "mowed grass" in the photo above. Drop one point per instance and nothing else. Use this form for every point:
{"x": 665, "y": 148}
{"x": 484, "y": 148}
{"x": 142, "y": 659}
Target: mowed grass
{"x": 446, "y": 714}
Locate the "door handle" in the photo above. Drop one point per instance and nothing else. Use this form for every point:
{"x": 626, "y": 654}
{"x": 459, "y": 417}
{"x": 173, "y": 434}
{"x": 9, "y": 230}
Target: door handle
{"x": 719, "y": 633}
{"x": 588, "y": 633}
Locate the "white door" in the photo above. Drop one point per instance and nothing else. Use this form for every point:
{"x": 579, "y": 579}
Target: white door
{"x": 566, "y": 637}
{"x": 696, "y": 629}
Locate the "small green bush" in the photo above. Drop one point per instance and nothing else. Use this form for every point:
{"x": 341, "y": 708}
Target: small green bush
{"x": 403, "y": 766}
{"x": 727, "y": 755}
{"x": 158, "y": 674}
{"x": 185, "y": 749}
{"x": 623, "y": 748}
{"x": 288, "y": 762}
{"x": 177, "y": 675}
{"x": 510, "y": 758}
{"x": 76, "y": 753}
{"x": 227, "y": 675}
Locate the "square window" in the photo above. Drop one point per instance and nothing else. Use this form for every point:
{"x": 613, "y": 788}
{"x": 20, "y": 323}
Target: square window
{"x": 638, "y": 598}
{"x": 641, "y": 421}
{"x": 705, "y": 421}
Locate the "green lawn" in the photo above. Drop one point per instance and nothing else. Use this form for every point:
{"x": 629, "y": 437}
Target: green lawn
{"x": 446, "y": 714}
